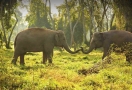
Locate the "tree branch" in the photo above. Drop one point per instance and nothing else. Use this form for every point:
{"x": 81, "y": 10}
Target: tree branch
{"x": 9, "y": 38}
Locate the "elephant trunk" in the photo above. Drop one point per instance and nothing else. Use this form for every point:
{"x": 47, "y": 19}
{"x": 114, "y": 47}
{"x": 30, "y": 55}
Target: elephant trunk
{"x": 68, "y": 50}
{"x": 87, "y": 51}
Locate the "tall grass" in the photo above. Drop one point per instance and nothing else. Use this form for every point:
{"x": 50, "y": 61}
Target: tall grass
{"x": 63, "y": 74}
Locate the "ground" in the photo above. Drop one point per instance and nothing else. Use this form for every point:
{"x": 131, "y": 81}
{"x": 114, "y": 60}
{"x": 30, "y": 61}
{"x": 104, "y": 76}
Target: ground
{"x": 64, "y": 73}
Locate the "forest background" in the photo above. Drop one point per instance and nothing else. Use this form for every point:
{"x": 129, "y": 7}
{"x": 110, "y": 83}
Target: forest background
{"x": 79, "y": 19}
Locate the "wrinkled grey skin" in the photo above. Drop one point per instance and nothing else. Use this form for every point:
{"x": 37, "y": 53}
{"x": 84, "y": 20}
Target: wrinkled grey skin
{"x": 39, "y": 40}
{"x": 105, "y": 39}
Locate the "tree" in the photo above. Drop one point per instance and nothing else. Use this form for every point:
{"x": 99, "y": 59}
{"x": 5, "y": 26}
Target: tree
{"x": 38, "y": 14}
{"x": 21, "y": 24}
{"x": 71, "y": 16}
{"x": 52, "y": 21}
{"x": 124, "y": 9}
{"x": 69, "y": 20}
{"x": 93, "y": 16}
{"x": 8, "y": 19}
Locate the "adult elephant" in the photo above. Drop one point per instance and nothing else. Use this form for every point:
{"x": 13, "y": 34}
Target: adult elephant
{"x": 118, "y": 38}
{"x": 39, "y": 40}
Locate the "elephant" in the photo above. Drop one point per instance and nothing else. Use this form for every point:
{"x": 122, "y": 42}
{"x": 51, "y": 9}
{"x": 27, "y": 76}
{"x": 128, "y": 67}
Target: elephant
{"x": 115, "y": 38}
{"x": 39, "y": 40}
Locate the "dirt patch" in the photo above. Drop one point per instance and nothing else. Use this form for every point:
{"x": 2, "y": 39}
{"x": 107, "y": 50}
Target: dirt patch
{"x": 96, "y": 67}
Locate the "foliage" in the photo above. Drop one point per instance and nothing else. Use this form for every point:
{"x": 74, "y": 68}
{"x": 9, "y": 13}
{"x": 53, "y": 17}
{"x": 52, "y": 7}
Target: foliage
{"x": 63, "y": 74}
{"x": 7, "y": 9}
{"x": 38, "y": 14}
{"x": 21, "y": 24}
{"x": 75, "y": 17}
{"x": 83, "y": 17}
{"x": 8, "y": 20}
{"x": 96, "y": 16}
{"x": 72, "y": 26}
{"x": 125, "y": 8}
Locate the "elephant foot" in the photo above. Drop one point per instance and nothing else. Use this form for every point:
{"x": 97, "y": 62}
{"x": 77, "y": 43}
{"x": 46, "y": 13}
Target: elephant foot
{"x": 22, "y": 64}
{"x": 128, "y": 60}
{"x": 13, "y": 62}
{"x": 50, "y": 61}
{"x": 43, "y": 62}
{"x": 50, "y": 64}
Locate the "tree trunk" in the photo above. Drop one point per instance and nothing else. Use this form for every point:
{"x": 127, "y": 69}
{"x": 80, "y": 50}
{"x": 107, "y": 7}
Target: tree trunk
{"x": 70, "y": 23}
{"x": 9, "y": 38}
{"x": 111, "y": 22}
{"x": 90, "y": 9}
{"x": 7, "y": 41}
{"x": 53, "y": 24}
{"x": 105, "y": 8}
{"x": 3, "y": 29}
{"x": 84, "y": 31}
{"x": 125, "y": 8}
{"x": 74, "y": 44}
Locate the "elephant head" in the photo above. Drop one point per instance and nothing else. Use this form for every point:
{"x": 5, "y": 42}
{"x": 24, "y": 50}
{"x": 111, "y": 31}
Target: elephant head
{"x": 60, "y": 40}
{"x": 96, "y": 42}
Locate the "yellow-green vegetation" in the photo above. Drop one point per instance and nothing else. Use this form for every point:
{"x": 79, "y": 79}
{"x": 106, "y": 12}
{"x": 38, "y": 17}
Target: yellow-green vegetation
{"x": 63, "y": 73}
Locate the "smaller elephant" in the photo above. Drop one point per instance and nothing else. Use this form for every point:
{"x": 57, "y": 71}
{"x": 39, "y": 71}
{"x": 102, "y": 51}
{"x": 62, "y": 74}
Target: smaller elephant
{"x": 39, "y": 40}
{"x": 116, "y": 38}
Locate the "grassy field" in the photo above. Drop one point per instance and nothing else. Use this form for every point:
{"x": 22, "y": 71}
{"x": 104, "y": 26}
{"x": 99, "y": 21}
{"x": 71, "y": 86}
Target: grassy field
{"x": 64, "y": 73}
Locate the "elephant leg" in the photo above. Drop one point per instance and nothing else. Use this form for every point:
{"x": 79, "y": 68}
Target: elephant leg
{"x": 15, "y": 57}
{"x": 22, "y": 59}
{"x": 49, "y": 56}
{"x": 106, "y": 51}
{"x": 14, "y": 60}
{"x": 48, "y": 51}
{"x": 128, "y": 58}
{"x": 44, "y": 58}
{"x": 18, "y": 52}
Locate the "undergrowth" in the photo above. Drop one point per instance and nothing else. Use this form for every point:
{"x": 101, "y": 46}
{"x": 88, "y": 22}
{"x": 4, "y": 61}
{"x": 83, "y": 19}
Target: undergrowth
{"x": 63, "y": 73}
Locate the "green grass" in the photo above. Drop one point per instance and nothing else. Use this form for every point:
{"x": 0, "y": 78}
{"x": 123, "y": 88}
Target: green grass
{"x": 63, "y": 73}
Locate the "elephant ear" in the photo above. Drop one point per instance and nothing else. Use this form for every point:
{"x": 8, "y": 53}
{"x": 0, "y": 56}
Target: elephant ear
{"x": 57, "y": 39}
{"x": 101, "y": 36}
